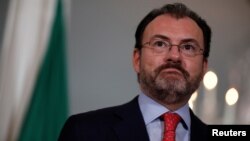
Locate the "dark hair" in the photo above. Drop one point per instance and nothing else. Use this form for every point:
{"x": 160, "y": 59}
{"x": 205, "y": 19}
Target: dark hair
{"x": 177, "y": 10}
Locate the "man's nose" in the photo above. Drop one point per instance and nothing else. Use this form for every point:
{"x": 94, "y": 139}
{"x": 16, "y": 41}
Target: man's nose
{"x": 174, "y": 52}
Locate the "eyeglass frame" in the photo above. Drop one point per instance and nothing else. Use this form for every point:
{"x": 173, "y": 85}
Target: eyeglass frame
{"x": 200, "y": 51}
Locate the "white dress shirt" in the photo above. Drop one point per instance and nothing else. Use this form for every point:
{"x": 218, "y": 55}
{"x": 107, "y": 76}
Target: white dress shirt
{"x": 151, "y": 111}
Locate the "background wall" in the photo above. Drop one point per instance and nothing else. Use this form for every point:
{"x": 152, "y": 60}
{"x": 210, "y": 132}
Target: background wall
{"x": 3, "y": 12}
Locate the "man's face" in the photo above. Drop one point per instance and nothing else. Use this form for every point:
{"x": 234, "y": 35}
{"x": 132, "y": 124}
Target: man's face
{"x": 170, "y": 78}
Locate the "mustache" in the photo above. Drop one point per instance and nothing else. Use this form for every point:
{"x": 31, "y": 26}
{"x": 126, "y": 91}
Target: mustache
{"x": 175, "y": 66}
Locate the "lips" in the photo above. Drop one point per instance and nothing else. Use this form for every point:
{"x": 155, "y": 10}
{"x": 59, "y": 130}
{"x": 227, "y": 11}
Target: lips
{"x": 171, "y": 71}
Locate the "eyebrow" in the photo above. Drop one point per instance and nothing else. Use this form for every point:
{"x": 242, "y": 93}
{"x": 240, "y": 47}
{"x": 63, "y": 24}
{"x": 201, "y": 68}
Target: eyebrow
{"x": 161, "y": 37}
{"x": 182, "y": 41}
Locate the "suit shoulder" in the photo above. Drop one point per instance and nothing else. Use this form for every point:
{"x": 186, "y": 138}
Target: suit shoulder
{"x": 101, "y": 122}
{"x": 94, "y": 114}
{"x": 110, "y": 113}
{"x": 85, "y": 125}
{"x": 106, "y": 115}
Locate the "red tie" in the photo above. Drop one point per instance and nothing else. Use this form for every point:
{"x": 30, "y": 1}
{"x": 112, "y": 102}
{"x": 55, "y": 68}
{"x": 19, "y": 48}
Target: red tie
{"x": 170, "y": 123}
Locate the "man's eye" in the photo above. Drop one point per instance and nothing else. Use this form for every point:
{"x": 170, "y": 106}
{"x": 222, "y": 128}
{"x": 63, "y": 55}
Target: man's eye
{"x": 188, "y": 47}
{"x": 159, "y": 44}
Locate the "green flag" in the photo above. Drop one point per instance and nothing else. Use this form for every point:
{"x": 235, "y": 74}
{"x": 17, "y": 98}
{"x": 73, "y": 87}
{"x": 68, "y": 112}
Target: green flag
{"x": 47, "y": 110}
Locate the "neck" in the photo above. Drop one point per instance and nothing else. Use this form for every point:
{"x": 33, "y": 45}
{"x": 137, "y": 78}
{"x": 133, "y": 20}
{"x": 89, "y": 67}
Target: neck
{"x": 172, "y": 105}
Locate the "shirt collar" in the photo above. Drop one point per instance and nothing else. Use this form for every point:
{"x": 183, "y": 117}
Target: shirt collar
{"x": 151, "y": 110}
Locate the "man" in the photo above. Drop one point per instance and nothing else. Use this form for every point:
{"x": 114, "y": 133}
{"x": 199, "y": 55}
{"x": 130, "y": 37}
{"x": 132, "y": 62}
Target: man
{"x": 170, "y": 59}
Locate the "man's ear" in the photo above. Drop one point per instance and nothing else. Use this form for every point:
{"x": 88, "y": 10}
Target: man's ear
{"x": 205, "y": 66}
{"x": 136, "y": 60}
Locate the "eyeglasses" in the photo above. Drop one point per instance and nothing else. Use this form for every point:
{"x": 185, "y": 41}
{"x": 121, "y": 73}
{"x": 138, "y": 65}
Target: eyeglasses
{"x": 161, "y": 47}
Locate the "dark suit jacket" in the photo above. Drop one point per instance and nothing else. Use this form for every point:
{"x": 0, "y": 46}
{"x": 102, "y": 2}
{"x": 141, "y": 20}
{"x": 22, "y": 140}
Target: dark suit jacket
{"x": 120, "y": 123}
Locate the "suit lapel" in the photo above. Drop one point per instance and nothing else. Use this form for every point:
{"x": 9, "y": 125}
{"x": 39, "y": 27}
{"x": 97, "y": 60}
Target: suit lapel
{"x": 199, "y": 130}
{"x": 131, "y": 126}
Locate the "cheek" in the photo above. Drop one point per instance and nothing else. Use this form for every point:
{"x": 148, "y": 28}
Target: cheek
{"x": 150, "y": 63}
{"x": 194, "y": 68}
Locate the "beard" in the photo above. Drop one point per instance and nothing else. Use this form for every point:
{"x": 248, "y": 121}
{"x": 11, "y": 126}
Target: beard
{"x": 169, "y": 87}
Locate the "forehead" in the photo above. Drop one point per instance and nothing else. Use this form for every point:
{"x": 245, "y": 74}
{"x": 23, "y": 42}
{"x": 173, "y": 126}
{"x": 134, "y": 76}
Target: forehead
{"x": 173, "y": 28}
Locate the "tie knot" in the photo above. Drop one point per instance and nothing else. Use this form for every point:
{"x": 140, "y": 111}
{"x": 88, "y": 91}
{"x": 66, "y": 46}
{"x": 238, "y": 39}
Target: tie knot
{"x": 171, "y": 120}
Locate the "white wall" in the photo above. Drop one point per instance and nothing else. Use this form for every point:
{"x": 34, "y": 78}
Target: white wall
{"x": 3, "y": 12}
